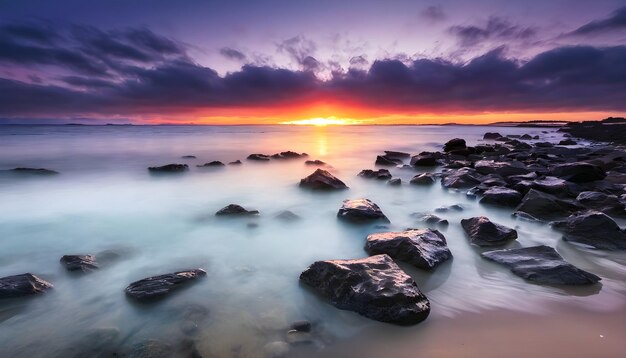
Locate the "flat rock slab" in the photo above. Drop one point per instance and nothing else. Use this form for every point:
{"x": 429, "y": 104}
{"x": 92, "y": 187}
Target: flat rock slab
{"x": 22, "y": 285}
{"x": 360, "y": 210}
{"x": 158, "y": 286}
{"x": 83, "y": 263}
{"x": 374, "y": 287}
{"x": 235, "y": 210}
{"x": 541, "y": 264}
{"x": 592, "y": 228}
{"x": 169, "y": 168}
{"x": 484, "y": 232}
{"x": 322, "y": 180}
{"x": 425, "y": 248}
{"x": 34, "y": 171}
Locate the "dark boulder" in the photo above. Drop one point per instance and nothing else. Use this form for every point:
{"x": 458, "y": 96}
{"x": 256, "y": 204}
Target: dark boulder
{"x": 395, "y": 182}
{"x": 423, "y": 179}
{"x": 374, "y": 287}
{"x": 322, "y": 180}
{"x": 83, "y": 263}
{"x": 169, "y": 168}
{"x": 541, "y": 264}
{"x": 425, "y": 159}
{"x": 501, "y": 196}
{"x": 567, "y": 142}
{"x": 608, "y": 204}
{"x": 526, "y": 137}
{"x": 504, "y": 169}
{"x": 314, "y": 162}
{"x": 483, "y": 232}
{"x": 387, "y": 161}
{"x": 359, "y": 210}
{"x": 380, "y": 174}
{"x": 552, "y": 185}
{"x": 544, "y": 145}
{"x": 543, "y": 206}
{"x": 455, "y": 144}
{"x": 425, "y": 248}
{"x": 592, "y": 228}
{"x": 288, "y": 155}
{"x": 22, "y": 285}
{"x": 158, "y": 286}
{"x": 492, "y": 135}
{"x": 578, "y": 172}
{"x": 463, "y": 178}
{"x": 398, "y": 155}
{"x": 235, "y": 210}
{"x": 215, "y": 163}
{"x": 259, "y": 157}
{"x": 34, "y": 171}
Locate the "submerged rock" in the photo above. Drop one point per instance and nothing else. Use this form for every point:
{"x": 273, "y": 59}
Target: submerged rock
{"x": 289, "y": 155}
{"x": 151, "y": 348}
{"x": 593, "y": 228}
{"x": 158, "y": 286}
{"x": 314, "y": 162}
{"x": 169, "y": 168}
{"x": 236, "y": 162}
{"x": 453, "y": 207}
{"x": 484, "y": 232}
{"x": 188, "y": 157}
{"x": 423, "y": 179}
{"x": 259, "y": 157}
{"x": 541, "y": 264}
{"x": 542, "y": 206}
{"x": 287, "y": 215}
{"x": 395, "y": 182}
{"x": 235, "y": 210}
{"x": 578, "y": 172}
{"x": 79, "y": 262}
{"x": 34, "y": 171}
{"x": 380, "y": 174}
{"x": 322, "y": 180}
{"x": 501, "y": 196}
{"x": 215, "y": 163}
{"x": 22, "y": 285}
{"x": 424, "y": 248}
{"x": 431, "y": 219}
{"x": 374, "y": 287}
{"x": 358, "y": 210}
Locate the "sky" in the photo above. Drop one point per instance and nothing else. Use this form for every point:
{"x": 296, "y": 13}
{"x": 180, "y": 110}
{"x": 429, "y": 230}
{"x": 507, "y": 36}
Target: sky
{"x": 357, "y": 62}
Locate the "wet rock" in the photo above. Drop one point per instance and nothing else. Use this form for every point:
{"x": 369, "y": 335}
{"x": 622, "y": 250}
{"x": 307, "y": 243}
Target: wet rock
{"x": 541, "y": 264}
{"x": 492, "y": 135}
{"x": 592, "y": 228}
{"x": 444, "y": 209}
{"x": 504, "y": 169}
{"x": 287, "y": 215}
{"x": 236, "y": 162}
{"x": 501, "y": 196}
{"x": 314, "y": 162}
{"x": 425, "y": 249}
{"x": 543, "y": 206}
{"x": 431, "y": 219}
{"x": 215, "y": 163}
{"x": 34, "y": 171}
{"x": 578, "y": 172}
{"x": 526, "y": 137}
{"x": 22, "y": 285}
{"x": 463, "y": 178}
{"x": 83, "y": 263}
{"x": 395, "y": 182}
{"x": 454, "y": 145}
{"x": 150, "y": 349}
{"x": 608, "y": 204}
{"x": 423, "y": 179}
{"x": 544, "y": 145}
{"x": 322, "y": 180}
{"x": 387, "y": 161}
{"x": 235, "y": 210}
{"x": 158, "y": 286}
{"x": 374, "y": 287}
{"x": 567, "y": 142}
{"x": 425, "y": 160}
{"x": 259, "y": 157}
{"x": 552, "y": 185}
{"x": 484, "y": 232}
{"x": 289, "y": 155}
{"x": 380, "y": 174}
{"x": 169, "y": 168}
{"x": 276, "y": 349}
{"x": 188, "y": 157}
{"x": 301, "y": 326}
{"x": 398, "y": 155}
{"x": 359, "y": 210}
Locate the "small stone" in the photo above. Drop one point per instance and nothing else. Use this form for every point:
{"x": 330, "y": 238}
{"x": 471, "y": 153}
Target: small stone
{"x": 235, "y": 210}
{"x": 483, "y": 232}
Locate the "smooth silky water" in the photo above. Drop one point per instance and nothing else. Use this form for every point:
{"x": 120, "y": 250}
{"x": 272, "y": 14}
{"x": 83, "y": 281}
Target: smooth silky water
{"x": 105, "y": 199}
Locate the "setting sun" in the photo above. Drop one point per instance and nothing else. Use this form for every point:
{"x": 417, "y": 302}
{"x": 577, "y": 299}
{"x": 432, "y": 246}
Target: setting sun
{"x": 323, "y": 121}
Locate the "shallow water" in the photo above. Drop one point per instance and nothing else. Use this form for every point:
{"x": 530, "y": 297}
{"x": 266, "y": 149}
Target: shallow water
{"x": 105, "y": 199}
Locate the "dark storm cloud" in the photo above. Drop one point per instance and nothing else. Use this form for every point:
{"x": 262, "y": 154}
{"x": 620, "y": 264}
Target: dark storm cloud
{"x": 161, "y": 79}
{"x": 232, "y": 54}
{"x": 434, "y": 13}
{"x": 495, "y": 29}
{"x": 617, "y": 21}
{"x": 33, "y": 32}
